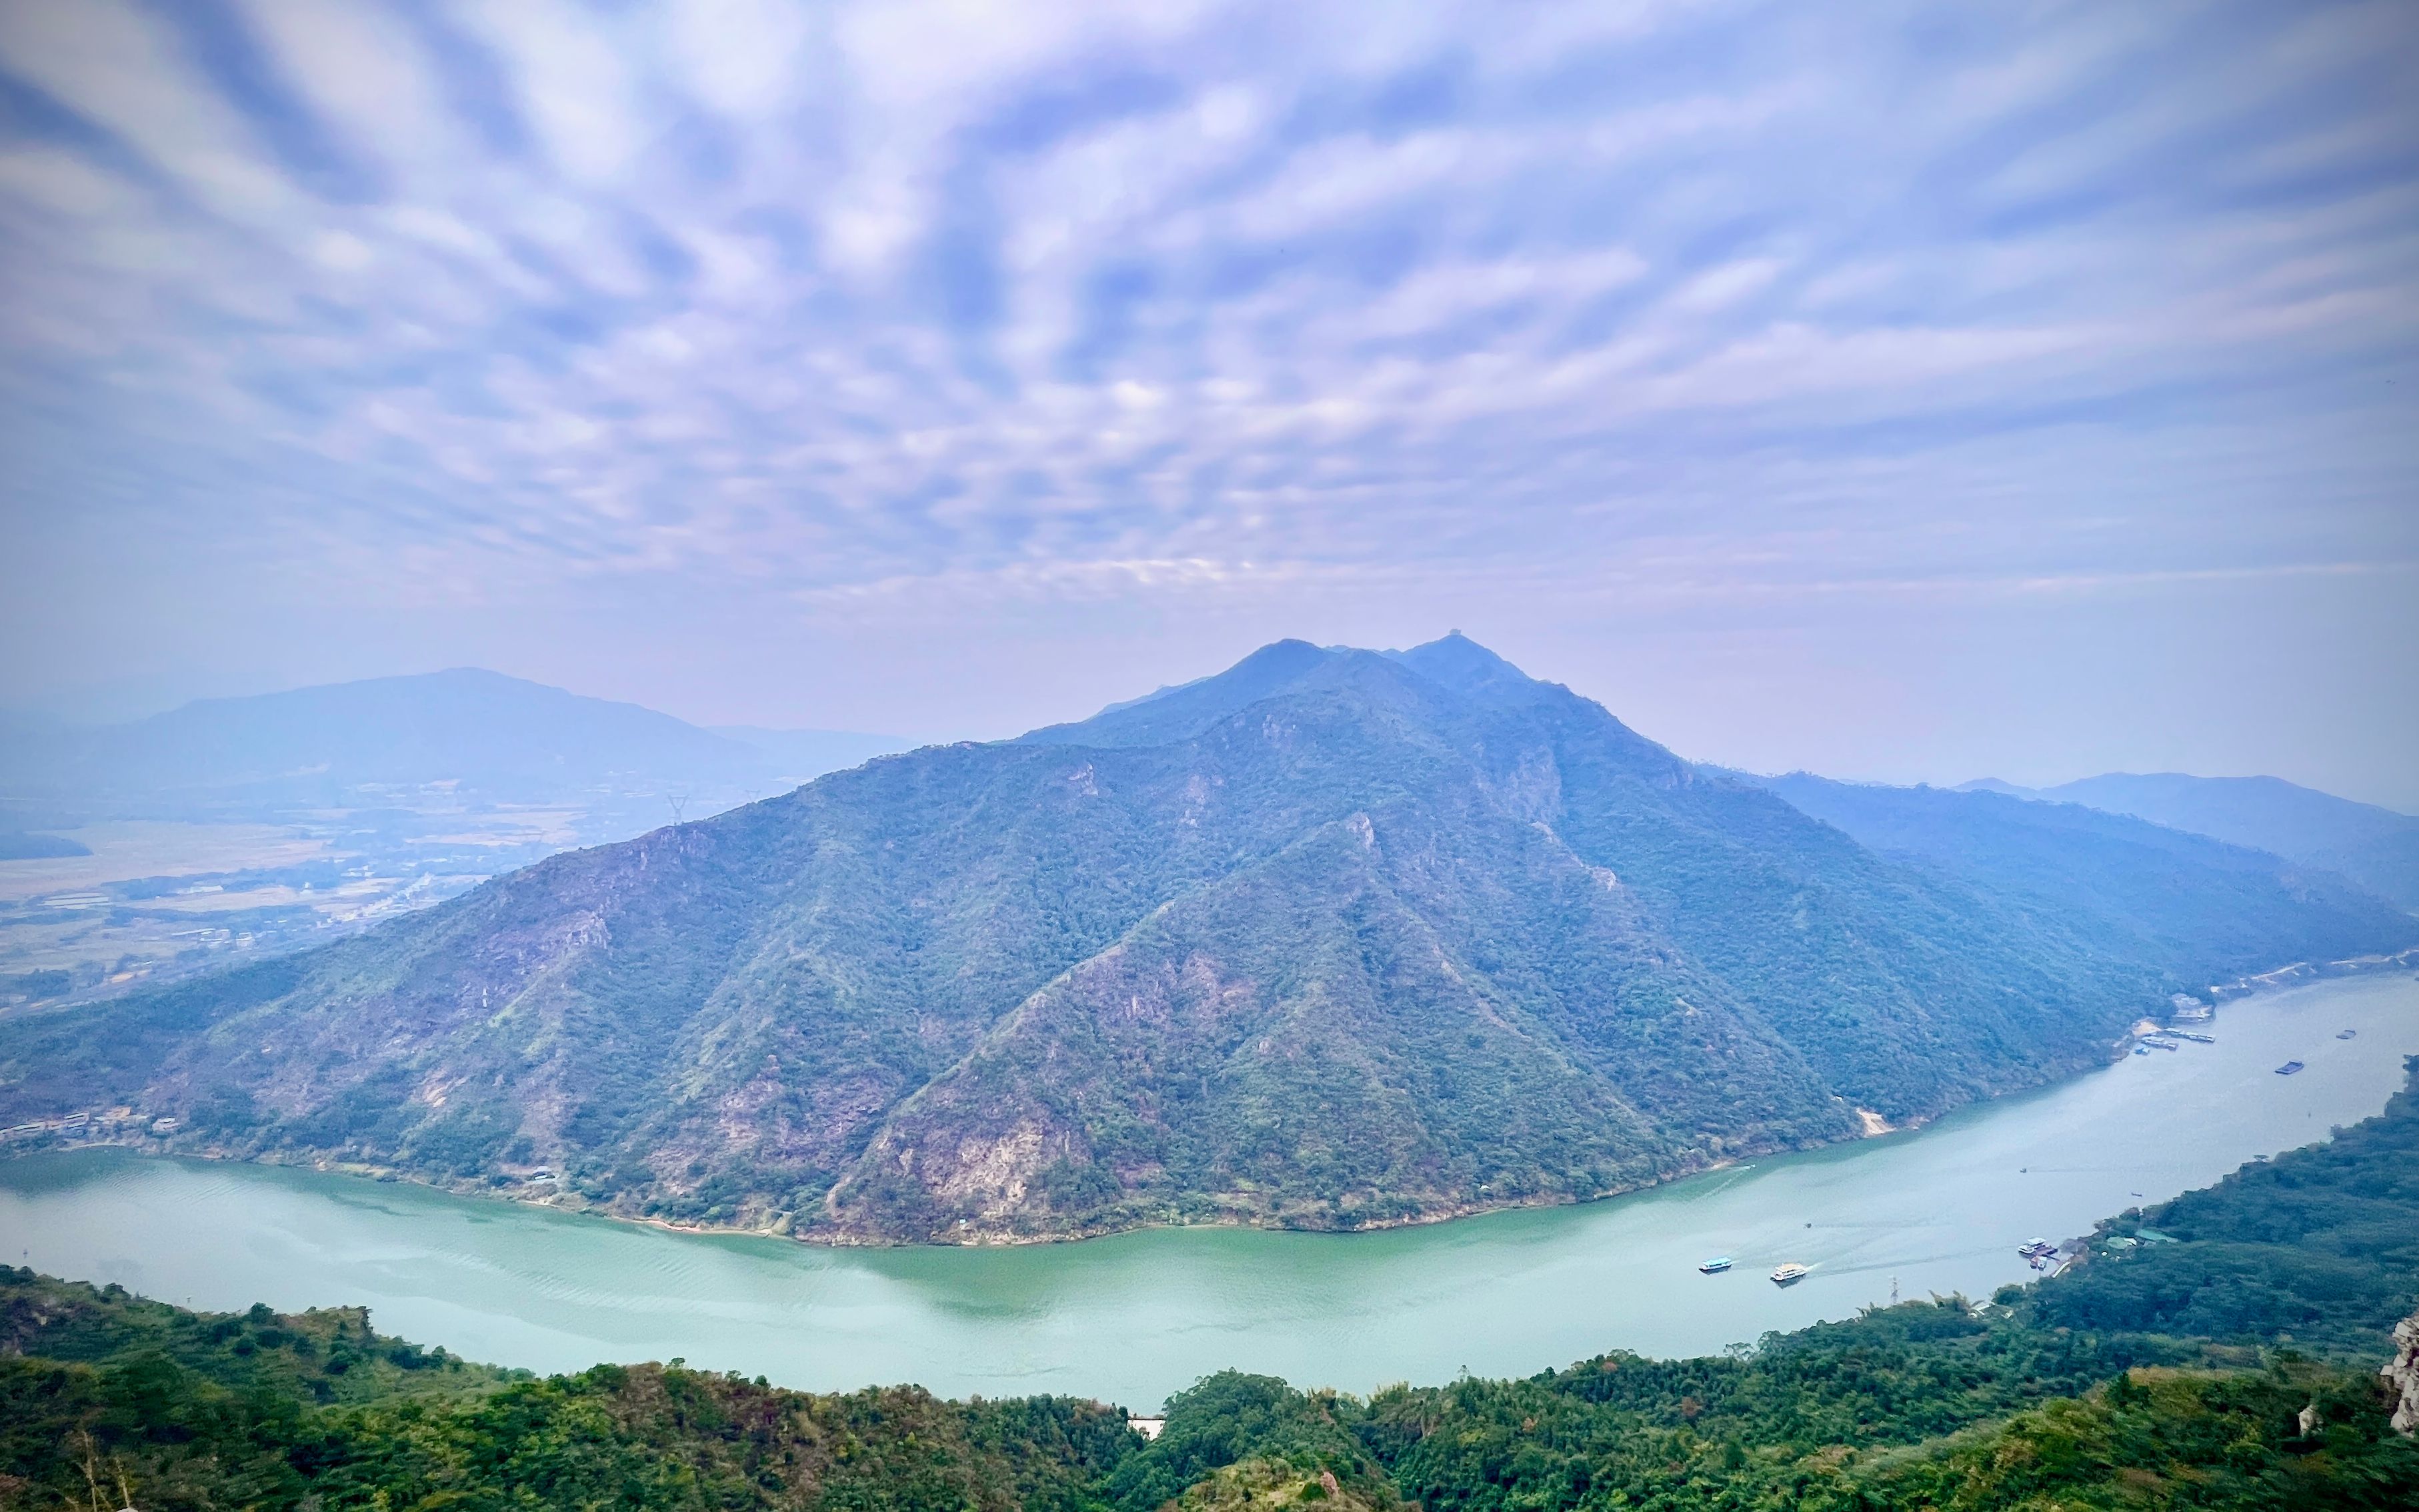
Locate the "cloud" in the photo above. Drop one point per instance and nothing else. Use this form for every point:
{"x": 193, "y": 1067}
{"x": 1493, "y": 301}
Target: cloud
{"x": 1089, "y": 298}
{"x": 746, "y": 59}
{"x": 113, "y": 67}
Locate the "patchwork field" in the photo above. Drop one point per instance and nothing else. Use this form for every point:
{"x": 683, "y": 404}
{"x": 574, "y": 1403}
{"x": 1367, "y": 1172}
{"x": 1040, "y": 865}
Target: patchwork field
{"x": 159, "y": 899}
{"x": 129, "y": 849}
{"x": 162, "y": 898}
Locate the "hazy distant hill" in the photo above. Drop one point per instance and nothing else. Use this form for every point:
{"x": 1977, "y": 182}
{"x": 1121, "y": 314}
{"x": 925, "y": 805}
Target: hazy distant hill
{"x": 486, "y": 733}
{"x": 480, "y": 729}
{"x": 2146, "y": 889}
{"x": 1335, "y": 937}
{"x": 18, "y": 845}
{"x": 2375, "y": 847}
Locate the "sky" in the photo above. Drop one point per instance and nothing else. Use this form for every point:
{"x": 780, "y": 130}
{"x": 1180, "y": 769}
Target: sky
{"x": 1905, "y": 392}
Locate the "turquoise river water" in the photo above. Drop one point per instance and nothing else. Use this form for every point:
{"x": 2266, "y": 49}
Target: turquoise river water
{"x": 1132, "y": 1317}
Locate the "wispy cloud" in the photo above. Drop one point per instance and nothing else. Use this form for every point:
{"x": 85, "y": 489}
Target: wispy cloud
{"x": 867, "y": 300}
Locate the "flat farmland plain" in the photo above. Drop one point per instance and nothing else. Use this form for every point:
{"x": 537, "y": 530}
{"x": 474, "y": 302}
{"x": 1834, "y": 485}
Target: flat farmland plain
{"x": 129, "y": 850}
{"x": 160, "y": 899}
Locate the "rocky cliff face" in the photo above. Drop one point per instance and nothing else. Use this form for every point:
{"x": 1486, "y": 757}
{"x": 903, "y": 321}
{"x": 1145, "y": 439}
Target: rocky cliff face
{"x": 2403, "y": 1371}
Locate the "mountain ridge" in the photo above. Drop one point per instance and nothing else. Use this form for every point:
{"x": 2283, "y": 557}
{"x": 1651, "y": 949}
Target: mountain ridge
{"x": 2374, "y": 846}
{"x": 2026, "y": 852}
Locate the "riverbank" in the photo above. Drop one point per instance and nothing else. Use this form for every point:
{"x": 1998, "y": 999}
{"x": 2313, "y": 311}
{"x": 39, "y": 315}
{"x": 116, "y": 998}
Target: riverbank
{"x": 2302, "y": 972}
{"x": 2233, "y": 1347}
{"x": 129, "y": 1128}
{"x": 1132, "y": 1317}
{"x": 125, "y": 1127}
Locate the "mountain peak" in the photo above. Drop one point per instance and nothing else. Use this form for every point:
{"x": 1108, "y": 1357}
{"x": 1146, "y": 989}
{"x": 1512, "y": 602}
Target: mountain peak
{"x": 1459, "y": 663}
{"x": 1455, "y": 664}
{"x": 1278, "y": 661}
{"x": 1176, "y": 710}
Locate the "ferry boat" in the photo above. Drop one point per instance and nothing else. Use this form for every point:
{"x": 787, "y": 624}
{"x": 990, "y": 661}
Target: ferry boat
{"x": 1715, "y": 1266}
{"x": 2196, "y": 1039}
{"x": 1791, "y": 1272}
{"x": 2163, "y": 1044}
{"x": 2288, "y": 1068}
{"x": 2037, "y": 1248}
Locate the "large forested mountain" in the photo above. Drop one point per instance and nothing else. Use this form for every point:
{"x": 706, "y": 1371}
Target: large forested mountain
{"x": 1333, "y": 938}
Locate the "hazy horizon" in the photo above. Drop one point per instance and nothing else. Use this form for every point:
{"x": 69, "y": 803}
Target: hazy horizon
{"x": 1894, "y": 394}
{"x": 742, "y": 731}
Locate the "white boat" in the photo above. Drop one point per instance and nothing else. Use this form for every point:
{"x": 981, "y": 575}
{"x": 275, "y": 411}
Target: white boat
{"x": 1789, "y": 1272}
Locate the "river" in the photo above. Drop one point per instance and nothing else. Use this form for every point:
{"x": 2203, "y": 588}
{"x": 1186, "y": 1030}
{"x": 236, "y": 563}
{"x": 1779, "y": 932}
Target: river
{"x": 1132, "y": 1317}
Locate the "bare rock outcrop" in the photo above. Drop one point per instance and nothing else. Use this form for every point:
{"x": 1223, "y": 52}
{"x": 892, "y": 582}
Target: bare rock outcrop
{"x": 2403, "y": 1371}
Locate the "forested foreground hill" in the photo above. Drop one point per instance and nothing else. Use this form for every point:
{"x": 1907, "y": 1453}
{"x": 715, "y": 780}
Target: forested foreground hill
{"x": 1335, "y": 938}
{"x": 2170, "y": 1372}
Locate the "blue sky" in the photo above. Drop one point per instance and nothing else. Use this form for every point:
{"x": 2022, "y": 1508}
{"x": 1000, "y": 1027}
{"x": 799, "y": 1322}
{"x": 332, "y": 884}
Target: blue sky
{"x": 1900, "y": 391}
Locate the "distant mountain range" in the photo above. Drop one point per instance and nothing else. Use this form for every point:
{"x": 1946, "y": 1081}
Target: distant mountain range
{"x": 493, "y": 737}
{"x": 2375, "y": 847}
{"x": 2109, "y": 874}
{"x": 1333, "y": 939}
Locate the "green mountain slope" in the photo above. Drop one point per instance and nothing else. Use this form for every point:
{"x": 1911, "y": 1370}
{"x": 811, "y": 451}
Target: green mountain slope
{"x": 1336, "y": 938}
